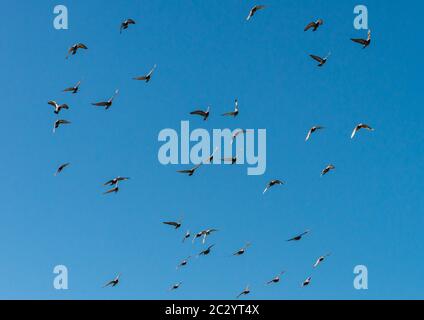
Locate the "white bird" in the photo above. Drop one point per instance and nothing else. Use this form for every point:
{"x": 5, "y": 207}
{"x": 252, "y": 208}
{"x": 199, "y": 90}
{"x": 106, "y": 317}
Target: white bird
{"x": 254, "y": 10}
{"x": 271, "y": 184}
{"x": 313, "y": 130}
{"x": 58, "y": 107}
{"x": 360, "y": 127}
{"x": 320, "y": 260}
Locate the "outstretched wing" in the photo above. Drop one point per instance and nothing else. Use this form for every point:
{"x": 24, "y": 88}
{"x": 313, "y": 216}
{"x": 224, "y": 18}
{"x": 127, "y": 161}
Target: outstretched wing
{"x": 309, "y": 26}
{"x": 319, "y": 59}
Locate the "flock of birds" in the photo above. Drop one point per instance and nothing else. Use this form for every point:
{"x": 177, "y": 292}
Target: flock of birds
{"x": 114, "y": 183}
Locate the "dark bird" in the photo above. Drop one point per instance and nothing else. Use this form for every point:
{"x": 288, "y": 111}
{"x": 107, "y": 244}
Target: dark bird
{"x": 203, "y": 114}
{"x": 73, "y": 50}
{"x": 106, "y": 104}
{"x": 126, "y": 24}
{"x": 207, "y": 251}
{"x": 314, "y": 25}
{"x": 186, "y": 236}
{"x": 61, "y": 168}
{"x": 254, "y": 10}
{"x": 242, "y": 251}
{"x": 115, "y": 181}
{"x": 320, "y": 260}
{"x": 360, "y": 127}
{"x": 204, "y": 234}
{"x": 327, "y": 170}
{"x": 113, "y": 283}
{"x": 277, "y": 279}
{"x": 191, "y": 171}
{"x": 176, "y": 225}
{"x": 176, "y": 286}
{"x": 233, "y": 113}
{"x": 313, "y": 130}
{"x": 299, "y": 237}
{"x": 73, "y": 89}
{"x": 364, "y": 42}
{"x": 321, "y": 61}
{"x": 58, "y": 123}
{"x": 245, "y": 292}
{"x": 113, "y": 190}
{"x": 58, "y": 107}
{"x": 307, "y": 282}
{"x": 271, "y": 184}
{"x": 148, "y": 76}
{"x": 183, "y": 263}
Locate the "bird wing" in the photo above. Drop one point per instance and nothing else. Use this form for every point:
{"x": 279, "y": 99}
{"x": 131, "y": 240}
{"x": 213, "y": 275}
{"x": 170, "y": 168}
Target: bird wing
{"x": 319, "y": 59}
{"x": 130, "y": 21}
{"x": 309, "y": 26}
{"x": 111, "y": 191}
{"x": 198, "y": 113}
{"x": 309, "y": 135}
{"x": 354, "y": 132}
{"x": 174, "y": 224}
{"x": 361, "y": 41}
{"x": 81, "y": 46}
{"x": 142, "y": 78}
{"x": 100, "y": 104}
{"x": 184, "y": 171}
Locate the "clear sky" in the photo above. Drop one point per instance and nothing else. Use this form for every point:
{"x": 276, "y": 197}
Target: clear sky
{"x": 369, "y": 211}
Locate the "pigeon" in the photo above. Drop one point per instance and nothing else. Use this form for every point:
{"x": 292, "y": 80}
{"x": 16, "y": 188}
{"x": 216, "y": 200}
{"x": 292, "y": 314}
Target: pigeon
{"x": 115, "y": 181}
{"x": 176, "y": 286}
{"x": 58, "y": 123}
{"x": 186, "y": 236}
{"x": 322, "y": 61}
{"x": 58, "y": 107}
{"x": 313, "y": 130}
{"x": 254, "y": 10}
{"x": 106, "y": 104}
{"x": 242, "y": 251}
{"x": 364, "y": 42}
{"x": 207, "y": 251}
{"x": 73, "y": 89}
{"x": 113, "y": 283}
{"x": 327, "y": 170}
{"x": 320, "y": 260}
{"x": 183, "y": 263}
{"x": 360, "y": 127}
{"x": 271, "y": 184}
{"x": 233, "y": 113}
{"x": 307, "y": 282}
{"x": 245, "y": 292}
{"x": 73, "y": 50}
{"x": 126, "y": 24}
{"x": 314, "y": 25}
{"x": 176, "y": 225}
{"x": 299, "y": 237}
{"x": 203, "y": 114}
{"x": 61, "y": 168}
{"x": 277, "y": 279}
{"x": 147, "y": 77}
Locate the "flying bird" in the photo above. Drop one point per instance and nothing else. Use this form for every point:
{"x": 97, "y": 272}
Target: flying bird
{"x": 106, "y": 104}
{"x": 271, "y": 184}
{"x": 277, "y": 279}
{"x": 73, "y": 89}
{"x": 207, "y": 233}
{"x": 327, "y": 170}
{"x": 58, "y": 123}
{"x": 313, "y": 130}
{"x": 360, "y": 127}
{"x": 113, "y": 283}
{"x": 314, "y": 25}
{"x": 364, "y": 42}
{"x": 299, "y": 237}
{"x": 233, "y": 113}
{"x": 322, "y": 61}
{"x": 183, "y": 263}
{"x": 176, "y": 286}
{"x": 147, "y": 77}
{"x": 190, "y": 172}
{"x": 113, "y": 190}
{"x": 176, "y": 225}
{"x": 245, "y": 292}
{"x": 242, "y": 251}
{"x": 186, "y": 236}
{"x": 61, "y": 168}
{"x": 115, "y": 181}
{"x": 207, "y": 251}
{"x": 126, "y": 24}
{"x": 320, "y": 260}
{"x": 254, "y": 10}
{"x": 307, "y": 282}
{"x": 204, "y": 114}
{"x": 73, "y": 50}
{"x": 58, "y": 107}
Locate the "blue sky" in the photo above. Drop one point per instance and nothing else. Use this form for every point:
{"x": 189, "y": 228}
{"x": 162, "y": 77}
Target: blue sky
{"x": 369, "y": 211}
